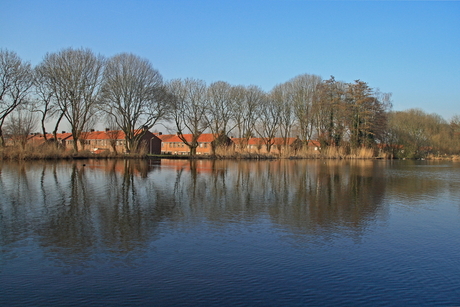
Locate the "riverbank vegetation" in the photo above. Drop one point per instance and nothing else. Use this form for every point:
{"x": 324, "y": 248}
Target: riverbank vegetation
{"x": 80, "y": 89}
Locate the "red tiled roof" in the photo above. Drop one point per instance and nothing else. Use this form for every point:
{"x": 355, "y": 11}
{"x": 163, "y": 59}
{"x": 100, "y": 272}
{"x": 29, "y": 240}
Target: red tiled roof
{"x": 238, "y": 141}
{"x": 280, "y": 141}
{"x": 203, "y": 138}
{"x": 314, "y": 143}
{"x": 104, "y": 135}
{"x": 167, "y": 137}
{"x": 49, "y": 136}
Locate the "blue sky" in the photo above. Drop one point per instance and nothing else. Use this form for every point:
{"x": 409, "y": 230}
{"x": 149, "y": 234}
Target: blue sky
{"x": 408, "y": 48}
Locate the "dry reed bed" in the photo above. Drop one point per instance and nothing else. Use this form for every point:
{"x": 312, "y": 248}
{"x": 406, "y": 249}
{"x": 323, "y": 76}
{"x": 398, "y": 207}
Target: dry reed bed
{"x": 306, "y": 153}
{"x": 52, "y": 152}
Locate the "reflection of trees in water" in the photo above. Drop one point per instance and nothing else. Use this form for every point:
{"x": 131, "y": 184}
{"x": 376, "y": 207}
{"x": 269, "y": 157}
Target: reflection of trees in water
{"x": 16, "y": 201}
{"x": 302, "y": 194}
{"x": 76, "y": 210}
{"x": 129, "y": 214}
{"x": 109, "y": 205}
{"x": 331, "y": 194}
{"x": 119, "y": 205}
{"x": 408, "y": 178}
{"x": 70, "y": 226}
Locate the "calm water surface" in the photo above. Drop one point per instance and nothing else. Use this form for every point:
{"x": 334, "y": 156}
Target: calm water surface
{"x": 204, "y": 233}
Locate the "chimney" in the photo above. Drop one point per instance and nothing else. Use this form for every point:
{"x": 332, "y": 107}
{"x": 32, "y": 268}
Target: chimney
{"x": 92, "y": 130}
{"x": 107, "y": 129}
{"x": 160, "y": 133}
{"x": 63, "y": 131}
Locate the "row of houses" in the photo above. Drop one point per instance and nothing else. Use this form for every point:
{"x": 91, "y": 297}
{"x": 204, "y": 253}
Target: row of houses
{"x": 158, "y": 143}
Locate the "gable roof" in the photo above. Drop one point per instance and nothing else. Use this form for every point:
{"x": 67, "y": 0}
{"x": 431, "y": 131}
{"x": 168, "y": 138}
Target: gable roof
{"x": 203, "y": 138}
{"x": 108, "y": 135}
{"x": 49, "y": 136}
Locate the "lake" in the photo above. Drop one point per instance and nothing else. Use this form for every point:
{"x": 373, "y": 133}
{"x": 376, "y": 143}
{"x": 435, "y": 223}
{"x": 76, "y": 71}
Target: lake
{"x": 230, "y": 233}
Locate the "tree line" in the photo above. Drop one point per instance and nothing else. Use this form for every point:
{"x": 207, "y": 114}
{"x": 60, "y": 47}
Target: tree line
{"x": 125, "y": 92}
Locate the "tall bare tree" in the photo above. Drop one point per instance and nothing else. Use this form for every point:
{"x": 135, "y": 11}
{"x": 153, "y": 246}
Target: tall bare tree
{"x": 189, "y": 107}
{"x": 220, "y": 111}
{"x": 46, "y": 103}
{"x": 281, "y": 96}
{"x": 133, "y": 96}
{"x": 16, "y": 80}
{"x": 303, "y": 90}
{"x": 247, "y": 105}
{"x": 269, "y": 120}
{"x": 74, "y": 76}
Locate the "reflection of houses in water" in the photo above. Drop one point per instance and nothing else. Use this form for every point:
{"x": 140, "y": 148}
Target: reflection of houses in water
{"x": 198, "y": 166}
{"x": 126, "y": 203}
{"x": 137, "y": 167}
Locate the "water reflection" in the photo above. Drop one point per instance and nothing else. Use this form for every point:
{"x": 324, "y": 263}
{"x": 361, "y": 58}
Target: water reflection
{"x": 76, "y": 208}
{"x": 299, "y": 194}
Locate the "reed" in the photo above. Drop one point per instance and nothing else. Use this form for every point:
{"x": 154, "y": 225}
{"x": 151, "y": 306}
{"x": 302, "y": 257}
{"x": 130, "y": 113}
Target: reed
{"x": 29, "y": 152}
{"x": 231, "y": 153}
{"x": 362, "y": 153}
{"x": 50, "y": 151}
{"x": 443, "y": 157}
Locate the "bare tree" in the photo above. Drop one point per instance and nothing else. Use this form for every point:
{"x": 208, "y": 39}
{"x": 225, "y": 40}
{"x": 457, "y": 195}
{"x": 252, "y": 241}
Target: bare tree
{"x": 19, "y": 126}
{"x": 46, "y": 103}
{"x": 74, "y": 76}
{"x": 15, "y": 82}
{"x": 220, "y": 111}
{"x": 282, "y": 98}
{"x": 246, "y": 110}
{"x": 455, "y": 124}
{"x": 414, "y": 133}
{"x": 133, "y": 95}
{"x": 269, "y": 120}
{"x": 189, "y": 107}
{"x": 303, "y": 91}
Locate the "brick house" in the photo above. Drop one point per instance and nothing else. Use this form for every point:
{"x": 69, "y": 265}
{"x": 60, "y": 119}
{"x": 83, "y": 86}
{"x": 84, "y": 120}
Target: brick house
{"x": 114, "y": 141}
{"x": 37, "y": 139}
{"x": 172, "y": 144}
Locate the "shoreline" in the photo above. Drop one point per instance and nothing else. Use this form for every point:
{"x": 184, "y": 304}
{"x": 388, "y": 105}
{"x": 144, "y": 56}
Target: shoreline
{"x": 330, "y": 153}
{"x": 251, "y": 156}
